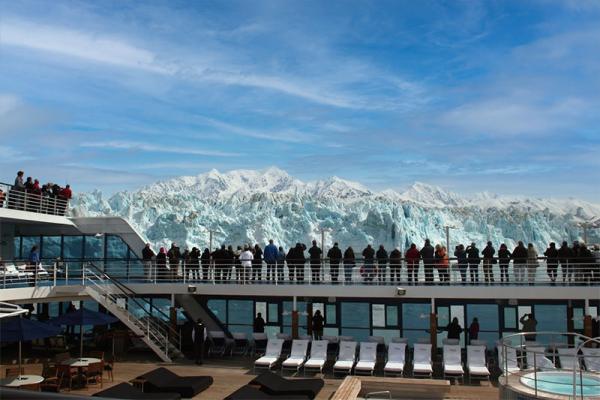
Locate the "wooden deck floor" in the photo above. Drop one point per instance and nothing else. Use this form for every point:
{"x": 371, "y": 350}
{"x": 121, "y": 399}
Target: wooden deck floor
{"x": 231, "y": 374}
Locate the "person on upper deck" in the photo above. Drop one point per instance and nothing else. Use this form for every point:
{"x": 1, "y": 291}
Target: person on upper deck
{"x": 532, "y": 263}
{"x": 473, "y": 260}
{"x": 519, "y": 256}
{"x": 315, "y": 261}
{"x": 147, "y": 256}
{"x": 427, "y": 254}
{"x": 335, "y": 257}
{"x": 488, "y": 262}
{"x": 551, "y": 254}
{"x": 349, "y": 263}
{"x": 246, "y": 258}
{"x": 257, "y": 263}
{"x": 461, "y": 257}
{"x": 270, "y": 257}
{"x": 161, "y": 263}
{"x": 19, "y": 184}
{"x": 174, "y": 256}
{"x": 442, "y": 264}
{"x": 503, "y": 261}
{"x": 413, "y": 256}
{"x": 395, "y": 264}
{"x": 369, "y": 257}
{"x": 382, "y": 260}
{"x": 205, "y": 262}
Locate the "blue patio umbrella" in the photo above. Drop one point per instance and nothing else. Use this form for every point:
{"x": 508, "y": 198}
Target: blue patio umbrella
{"x": 81, "y": 317}
{"x": 17, "y": 329}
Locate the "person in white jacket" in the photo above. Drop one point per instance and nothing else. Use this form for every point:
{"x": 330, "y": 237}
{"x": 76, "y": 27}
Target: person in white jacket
{"x": 532, "y": 263}
{"x": 246, "y": 264}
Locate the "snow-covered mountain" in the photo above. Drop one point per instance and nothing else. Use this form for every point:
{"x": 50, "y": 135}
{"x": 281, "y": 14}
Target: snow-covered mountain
{"x": 246, "y": 206}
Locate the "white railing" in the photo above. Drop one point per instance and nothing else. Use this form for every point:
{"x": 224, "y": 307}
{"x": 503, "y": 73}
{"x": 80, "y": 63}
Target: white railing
{"x": 538, "y": 352}
{"x": 25, "y": 201}
{"x": 69, "y": 272}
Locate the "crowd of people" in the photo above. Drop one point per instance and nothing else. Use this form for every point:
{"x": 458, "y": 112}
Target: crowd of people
{"x": 27, "y": 194}
{"x": 578, "y": 263}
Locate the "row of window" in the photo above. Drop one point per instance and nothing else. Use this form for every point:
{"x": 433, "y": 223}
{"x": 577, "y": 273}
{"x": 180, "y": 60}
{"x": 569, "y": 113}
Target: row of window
{"x": 410, "y": 320}
{"x": 73, "y": 247}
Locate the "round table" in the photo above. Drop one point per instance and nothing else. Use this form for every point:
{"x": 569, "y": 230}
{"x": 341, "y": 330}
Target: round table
{"x": 16, "y": 381}
{"x": 80, "y": 362}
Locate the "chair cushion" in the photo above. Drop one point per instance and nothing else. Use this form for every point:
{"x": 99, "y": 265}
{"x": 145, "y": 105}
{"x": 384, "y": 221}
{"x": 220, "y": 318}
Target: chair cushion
{"x": 293, "y": 362}
{"x": 394, "y": 366}
{"x": 453, "y": 369}
{"x": 365, "y": 365}
{"x": 479, "y": 371}
{"x": 343, "y": 365}
{"x": 422, "y": 368}
{"x": 266, "y": 361}
{"x": 276, "y": 385}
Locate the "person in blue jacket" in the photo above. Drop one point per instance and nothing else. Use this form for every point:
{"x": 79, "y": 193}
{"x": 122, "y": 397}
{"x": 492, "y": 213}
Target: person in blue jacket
{"x": 270, "y": 256}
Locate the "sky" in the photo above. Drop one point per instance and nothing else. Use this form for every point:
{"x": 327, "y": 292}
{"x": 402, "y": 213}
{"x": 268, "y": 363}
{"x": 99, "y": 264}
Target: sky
{"x": 498, "y": 96}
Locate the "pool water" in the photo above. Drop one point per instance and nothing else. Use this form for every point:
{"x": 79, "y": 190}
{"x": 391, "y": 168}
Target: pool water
{"x": 562, "y": 383}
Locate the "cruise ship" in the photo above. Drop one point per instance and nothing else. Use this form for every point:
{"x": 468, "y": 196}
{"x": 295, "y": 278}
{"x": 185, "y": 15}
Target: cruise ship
{"x": 96, "y": 263}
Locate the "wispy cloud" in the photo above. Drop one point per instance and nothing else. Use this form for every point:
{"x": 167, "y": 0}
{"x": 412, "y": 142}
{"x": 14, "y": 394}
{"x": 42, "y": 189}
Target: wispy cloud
{"x": 141, "y": 146}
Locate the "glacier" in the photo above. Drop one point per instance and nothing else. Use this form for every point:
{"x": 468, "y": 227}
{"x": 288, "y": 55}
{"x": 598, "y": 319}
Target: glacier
{"x": 248, "y": 206}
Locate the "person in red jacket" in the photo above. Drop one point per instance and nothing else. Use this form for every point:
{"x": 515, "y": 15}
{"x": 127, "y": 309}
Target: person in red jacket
{"x": 66, "y": 193}
{"x": 412, "y": 263}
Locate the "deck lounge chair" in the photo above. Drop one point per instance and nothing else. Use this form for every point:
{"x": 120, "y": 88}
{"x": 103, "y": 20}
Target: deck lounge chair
{"x": 591, "y": 358}
{"x": 162, "y": 380}
{"x": 537, "y": 359}
{"x": 252, "y": 393}
{"x": 126, "y": 391}
{"x": 278, "y": 386}
{"x": 259, "y": 343}
{"x": 452, "y": 362}
{"x": 396, "y": 359}
{"x": 422, "y": 360}
{"x": 512, "y": 365}
{"x": 568, "y": 358}
{"x": 367, "y": 357}
{"x": 476, "y": 363}
{"x": 240, "y": 343}
{"x": 218, "y": 343}
{"x": 297, "y": 357}
{"x": 272, "y": 355}
{"x": 346, "y": 359}
{"x": 318, "y": 356}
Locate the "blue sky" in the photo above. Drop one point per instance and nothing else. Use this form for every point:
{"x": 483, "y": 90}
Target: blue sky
{"x": 472, "y": 96}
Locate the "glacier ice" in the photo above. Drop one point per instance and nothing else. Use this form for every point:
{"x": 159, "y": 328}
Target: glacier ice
{"x": 248, "y": 206}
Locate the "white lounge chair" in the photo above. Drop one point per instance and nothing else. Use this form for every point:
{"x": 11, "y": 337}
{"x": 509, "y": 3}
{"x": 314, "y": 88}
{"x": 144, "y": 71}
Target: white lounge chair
{"x": 272, "y": 354}
{"x": 476, "y": 364}
{"x": 453, "y": 362}
{"x": 422, "y": 360}
{"x": 366, "y": 359}
{"x": 396, "y": 359}
{"x": 346, "y": 359}
{"x": 536, "y": 358}
{"x": 297, "y": 357}
{"x": 591, "y": 357}
{"x": 568, "y": 358}
{"x": 512, "y": 365}
{"x": 318, "y": 356}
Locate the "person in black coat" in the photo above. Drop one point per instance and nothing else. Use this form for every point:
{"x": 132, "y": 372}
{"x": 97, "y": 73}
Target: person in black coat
{"x": 565, "y": 254}
{"x": 161, "y": 264}
{"x": 369, "y": 257}
{"x": 317, "y": 325}
{"x": 205, "y": 261}
{"x": 198, "y": 338}
{"x": 454, "y": 329}
{"x": 295, "y": 261}
{"x": 503, "y": 261}
{"x": 194, "y": 262}
{"x": 519, "y": 257}
{"x": 551, "y": 254}
{"x": 382, "y": 260}
{"x": 349, "y": 263}
{"x": 395, "y": 265}
{"x": 473, "y": 260}
{"x": 315, "y": 261}
{"x": 174, "y": 255}
{"x": 488, "y": 262}
{"x": 461, "y": 257}
{"x": 147, "y": 256}
{"x": 259, "y": 324}
{"x": 257, "y": 263}
{"x": 335, "y": 257}
{"x": 427, "y": 254}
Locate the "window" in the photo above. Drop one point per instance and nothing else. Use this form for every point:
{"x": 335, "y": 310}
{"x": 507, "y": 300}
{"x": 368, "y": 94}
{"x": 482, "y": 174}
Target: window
{"x": 553, "y": 318}
{"x": 239, "y": 312}
{"x": 28, "y": 243}
{"x": 355, "y": 315}
{"x": 219, "y": 308}
{"x": 115, "y": 247}
{"x": 415, "y": 321}
{"x": 51, "y": 247}
{"x": 72, "y": 247}
{"x": 273, "y": 313}
{"x": 522, "y": 310}
{"x": 17, "y": 247}
{"x": 330, "y": 314}
{"x": 378, "y": 315}
{"x": 391, "y": 315}
{"x": 94, "y": 247}
{"x": 510, "y": 318}
{"x": 260, "y": 307}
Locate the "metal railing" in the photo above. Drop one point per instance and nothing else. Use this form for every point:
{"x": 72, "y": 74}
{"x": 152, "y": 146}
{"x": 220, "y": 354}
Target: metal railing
{"x": 16, "y": 199}
{"x": 157, "y": 329}
{"x": 525, "y": 356}
{"x": 359, "y": 272}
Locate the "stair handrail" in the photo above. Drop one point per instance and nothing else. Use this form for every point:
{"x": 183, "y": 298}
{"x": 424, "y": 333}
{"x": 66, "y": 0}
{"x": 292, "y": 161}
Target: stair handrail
{"x": 144, "y": 326}
{"x": 172, "y": 334}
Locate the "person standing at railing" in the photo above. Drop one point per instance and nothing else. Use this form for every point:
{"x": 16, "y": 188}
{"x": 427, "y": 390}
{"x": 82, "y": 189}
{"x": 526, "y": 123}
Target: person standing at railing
{"x": 427, "y": 255}
{"x": 65, "y": 195}
{"x": 229, "y": 263}
{"x": 441, "y": 263}
{"x": 17, "y": 193}
{"x": 503, "y": 261}
{"x": 461, "y": 257}
{"x": 551, "y": 254}
{"x": 413, "y": 256}
{"x": 519, "y": 256}
{"x": 162, "y": 271}
{"x": 529, "y": 326}
{"x": 280, "y": 263}
{"x": 195, "y": 263}
{"x": 295, "y": 261}
{"x": 382, "y": 260}
{"x": 205, "y": 264}
{"x": 395, "y": 265}
{"x": 257, "y": 263}
{"x": 532, "y": 263}
{"x": 2, "y": 198}
{"x": 34, "y": 260}
{"x": 174, "y": 256}
{"x": 565, "y": 254}
{"x": 473, "y": 259}
{"x": 270, "y": 256}
{"x": 147, "y": 257}
{"x": 335, "y": 257}
{"x": 488, "y": 262}
{"x": 349, "y": 263}
{"x": 315, "y": 253}
{"x": 587, "y": 264}
{"x": 246, "y": 258}
{"x": 369, "y": 260}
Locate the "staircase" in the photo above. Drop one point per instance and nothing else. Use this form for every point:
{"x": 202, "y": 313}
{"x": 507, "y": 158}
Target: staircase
{"x": 157, "y": 334}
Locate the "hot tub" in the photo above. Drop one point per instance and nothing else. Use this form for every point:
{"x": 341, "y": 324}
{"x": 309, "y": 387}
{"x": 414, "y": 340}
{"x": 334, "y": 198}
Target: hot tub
{"x": 561, "y": 382}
